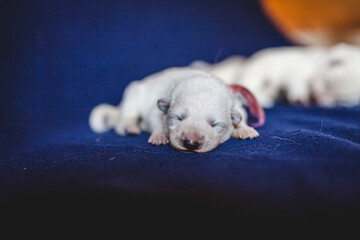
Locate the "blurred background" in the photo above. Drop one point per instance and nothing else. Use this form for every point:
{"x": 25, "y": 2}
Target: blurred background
{"x": 61, "y": 58}
{"x": 316, "y": 22}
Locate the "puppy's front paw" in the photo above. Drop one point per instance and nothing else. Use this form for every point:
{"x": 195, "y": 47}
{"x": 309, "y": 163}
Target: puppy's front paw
{"x": 158, "y": 138}
{"x": 245, "y": 132}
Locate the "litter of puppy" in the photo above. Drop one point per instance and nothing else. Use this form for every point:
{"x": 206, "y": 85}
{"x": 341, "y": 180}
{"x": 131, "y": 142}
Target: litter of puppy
{"x": 196, "y": 108}
{"x": 325, "y": 76}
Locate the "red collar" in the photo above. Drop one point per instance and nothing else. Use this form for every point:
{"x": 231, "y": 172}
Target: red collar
{"x": 254, "y": 106}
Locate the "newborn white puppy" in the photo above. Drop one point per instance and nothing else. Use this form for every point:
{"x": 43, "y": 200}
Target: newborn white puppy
{"x": 270, "y": 73}
{"x": 337, "y": 81}
{"x": 324, "y": 76}
{"x": 186, "y": 107}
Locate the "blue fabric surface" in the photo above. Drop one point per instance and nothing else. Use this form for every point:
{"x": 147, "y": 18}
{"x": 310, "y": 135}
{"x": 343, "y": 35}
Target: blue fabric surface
{"x": 60, "y": 59}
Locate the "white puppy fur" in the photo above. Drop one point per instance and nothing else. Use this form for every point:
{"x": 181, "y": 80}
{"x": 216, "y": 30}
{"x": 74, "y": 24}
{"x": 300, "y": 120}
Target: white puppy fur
{"x": 337, "y": 80}
{"x": 189, "y": 108}
{"x": 228, "y": 70}
{"x": 272, "y": 72}
{"x": 328, "y": 76}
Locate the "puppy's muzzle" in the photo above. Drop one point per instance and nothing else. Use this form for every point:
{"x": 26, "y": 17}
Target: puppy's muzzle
{"x": 191, "y": 145}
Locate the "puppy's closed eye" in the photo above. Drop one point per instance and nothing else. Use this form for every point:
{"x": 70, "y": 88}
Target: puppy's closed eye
{"x": 178, "y": 118}
{"x": 215, "y": 125}
{"x": 174, "y": 118}
{"x": 335, "y": 63}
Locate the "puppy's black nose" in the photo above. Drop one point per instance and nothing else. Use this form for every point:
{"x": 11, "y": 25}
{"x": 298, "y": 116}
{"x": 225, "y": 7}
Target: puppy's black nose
{"x": 191, "y": 145}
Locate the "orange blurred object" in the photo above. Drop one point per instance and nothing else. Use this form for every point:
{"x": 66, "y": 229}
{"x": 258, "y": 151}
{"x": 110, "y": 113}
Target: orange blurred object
{"x": 316, "y": 22}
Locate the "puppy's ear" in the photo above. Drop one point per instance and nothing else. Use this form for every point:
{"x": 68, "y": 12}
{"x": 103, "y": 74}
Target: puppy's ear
{"x": 163, "y": 104}
{"x": 235, "y": 116}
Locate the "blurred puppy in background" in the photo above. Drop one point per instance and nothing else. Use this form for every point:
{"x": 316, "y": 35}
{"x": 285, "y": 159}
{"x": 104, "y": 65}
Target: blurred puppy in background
{"x": 326, "y": 76}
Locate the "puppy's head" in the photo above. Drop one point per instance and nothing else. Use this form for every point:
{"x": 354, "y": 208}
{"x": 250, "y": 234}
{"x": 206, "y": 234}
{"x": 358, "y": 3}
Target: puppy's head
{"x": 199, "y": 116}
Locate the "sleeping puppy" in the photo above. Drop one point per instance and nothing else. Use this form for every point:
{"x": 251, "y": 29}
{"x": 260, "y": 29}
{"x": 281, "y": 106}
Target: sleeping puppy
{"x": 271, "y": 72}
{"x": 285, "y": 72}
{"x": 188, "y": 108}
{"x": 337, "y": 80}
{"x": 326, "y": 76}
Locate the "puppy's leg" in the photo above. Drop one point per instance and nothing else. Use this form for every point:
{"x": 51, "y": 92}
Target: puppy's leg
{"x": 158, "y": 138}
{"x": 158, "y": 135}
{"x": 130, "y": 110}
{"x": 242, "y": 130}
{"x": 297, "y": 89}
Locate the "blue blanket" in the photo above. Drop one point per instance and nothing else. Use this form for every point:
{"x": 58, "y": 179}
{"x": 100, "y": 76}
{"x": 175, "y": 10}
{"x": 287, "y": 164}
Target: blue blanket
{"x": 60, "y": 59}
